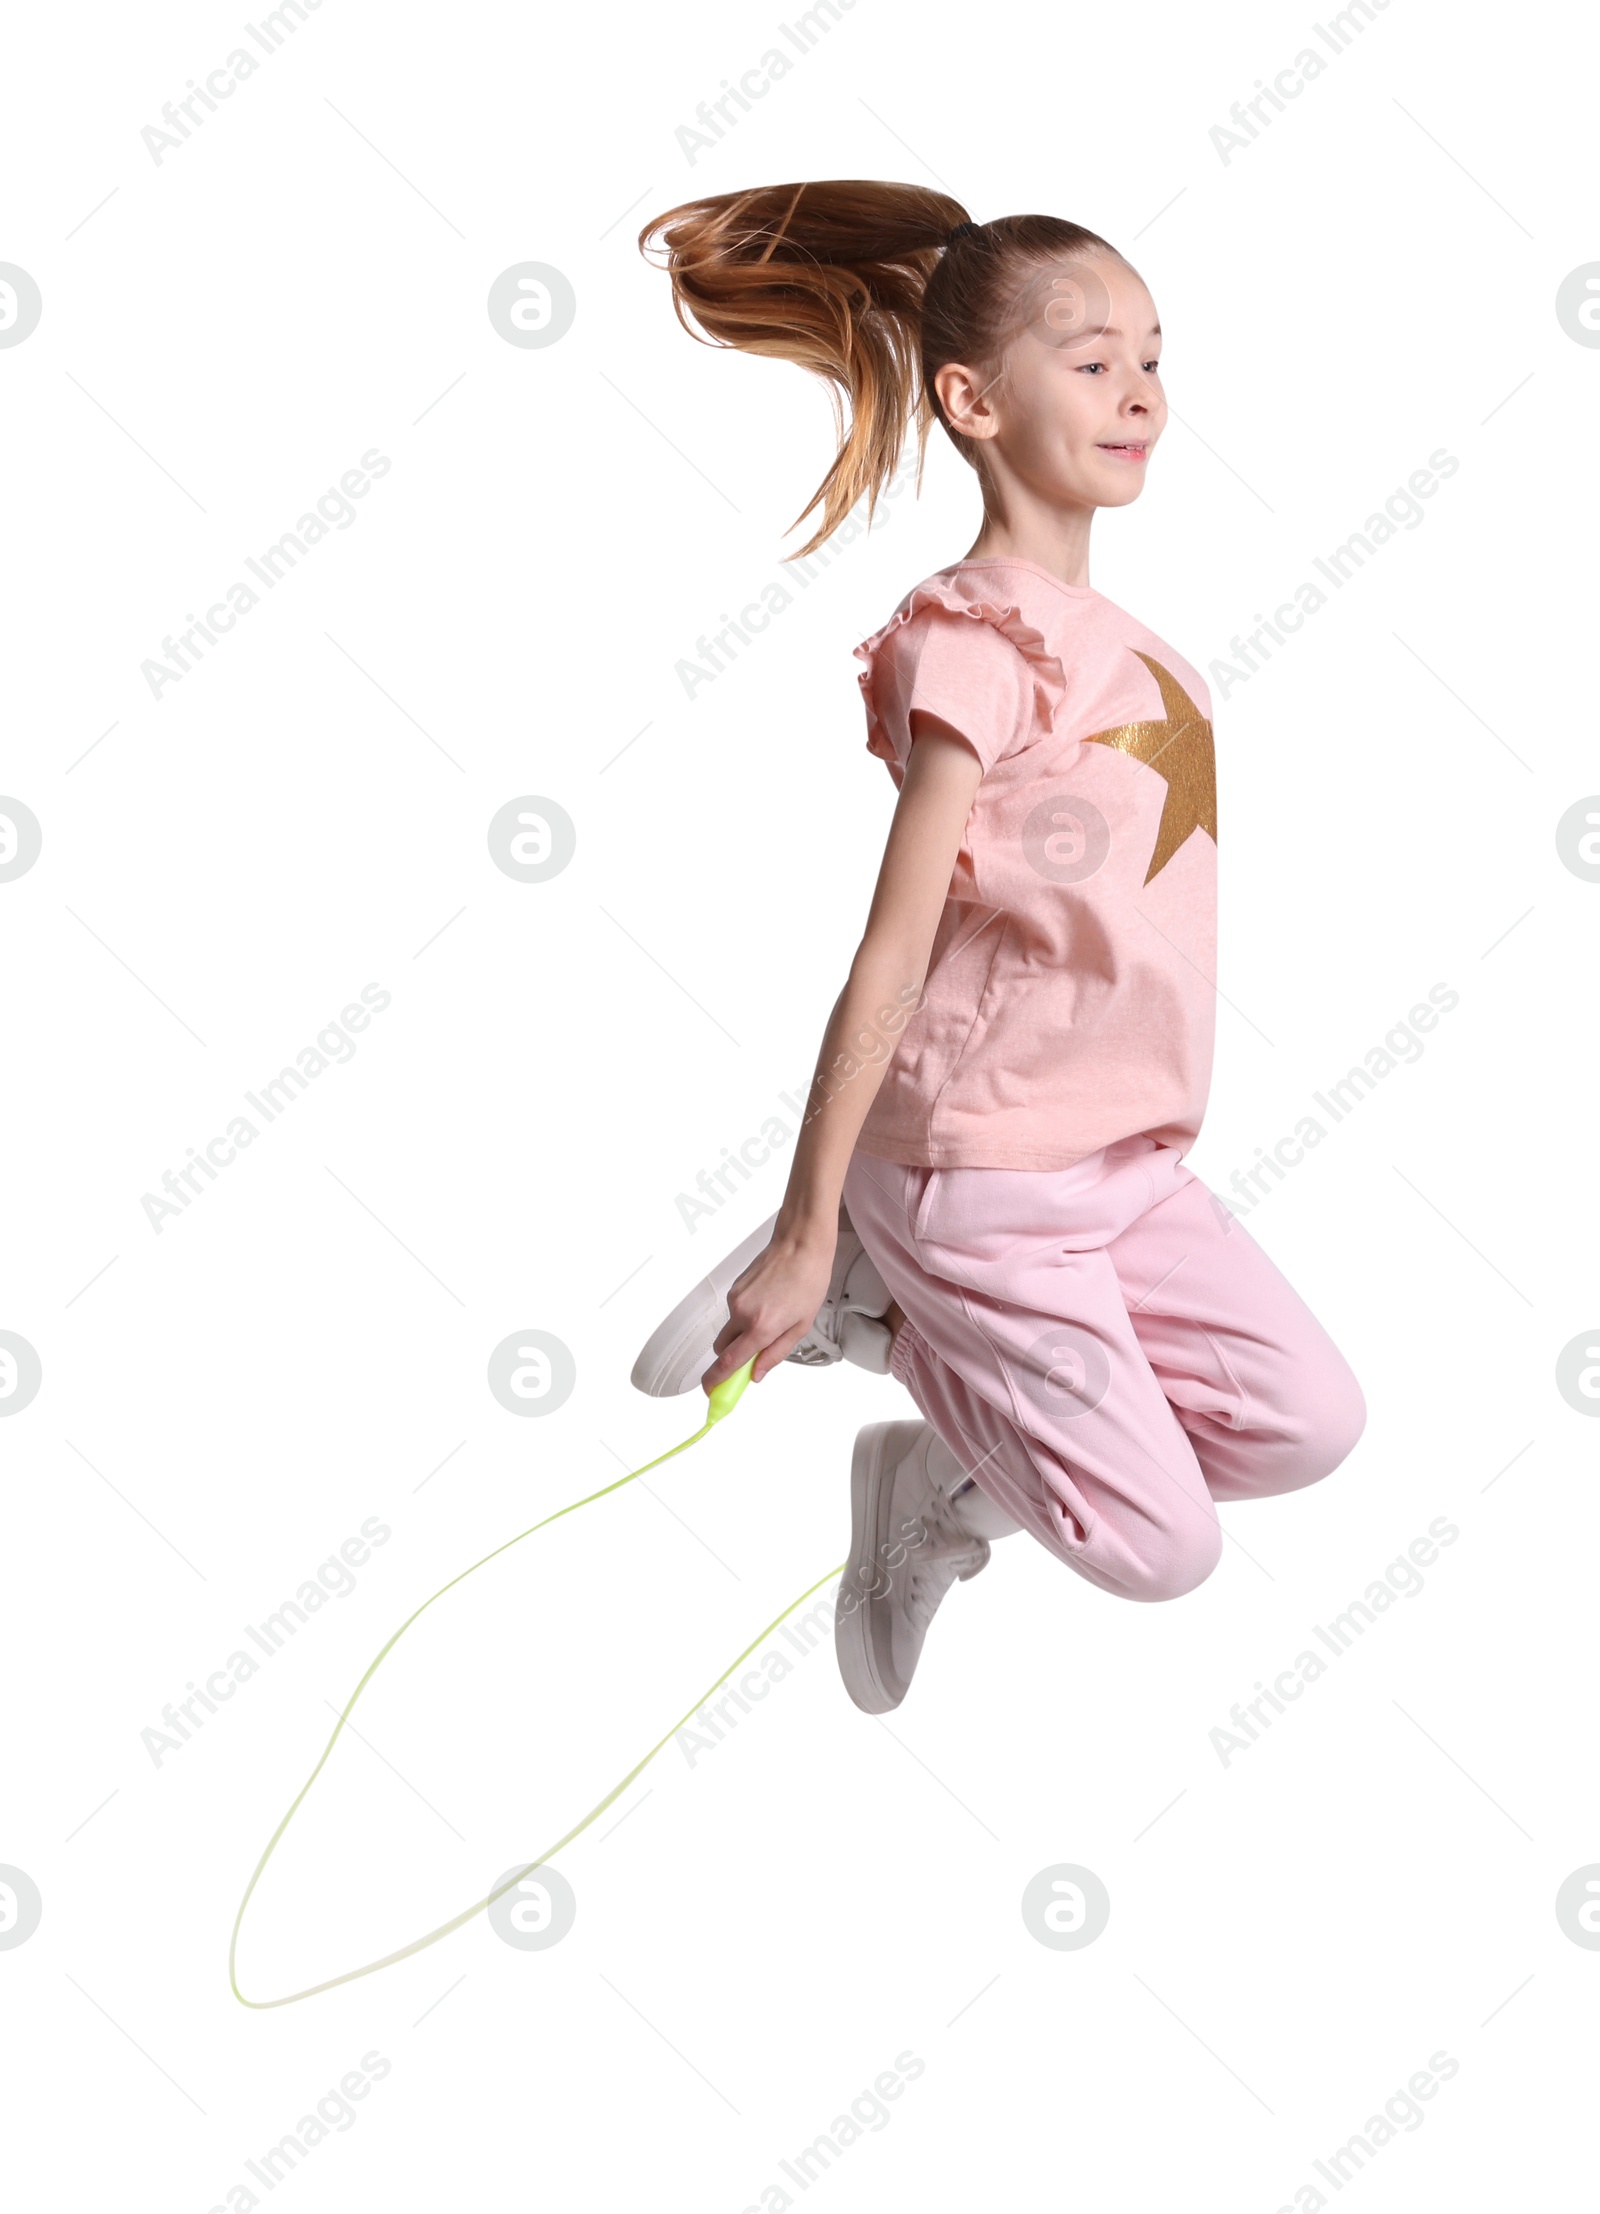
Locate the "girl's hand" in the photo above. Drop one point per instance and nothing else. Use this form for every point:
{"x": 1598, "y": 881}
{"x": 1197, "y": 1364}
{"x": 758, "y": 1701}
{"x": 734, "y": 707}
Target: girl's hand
{"x": 772, "y": 1306}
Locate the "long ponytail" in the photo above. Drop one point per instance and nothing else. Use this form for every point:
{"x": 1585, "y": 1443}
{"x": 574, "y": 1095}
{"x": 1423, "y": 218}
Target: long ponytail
{"x": 861, "y": 283}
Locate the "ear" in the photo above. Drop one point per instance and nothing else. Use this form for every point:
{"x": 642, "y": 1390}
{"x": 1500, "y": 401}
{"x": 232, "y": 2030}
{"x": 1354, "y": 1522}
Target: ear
{"x": 966, "y": 399}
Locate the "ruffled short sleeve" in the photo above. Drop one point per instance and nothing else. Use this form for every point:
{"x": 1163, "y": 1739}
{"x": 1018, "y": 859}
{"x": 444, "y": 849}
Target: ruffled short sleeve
{"x": 977, "y": 665}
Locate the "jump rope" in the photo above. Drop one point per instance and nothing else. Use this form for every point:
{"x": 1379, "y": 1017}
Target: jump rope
{"x": 723, "y": 1400}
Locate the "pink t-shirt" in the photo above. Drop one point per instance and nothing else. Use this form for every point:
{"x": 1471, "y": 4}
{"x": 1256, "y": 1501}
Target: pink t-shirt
{"x": 1070, "y": 996}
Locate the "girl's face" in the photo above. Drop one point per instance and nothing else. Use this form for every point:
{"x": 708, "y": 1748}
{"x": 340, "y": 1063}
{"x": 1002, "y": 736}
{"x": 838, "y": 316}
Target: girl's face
{"x": 1077, "y": 406}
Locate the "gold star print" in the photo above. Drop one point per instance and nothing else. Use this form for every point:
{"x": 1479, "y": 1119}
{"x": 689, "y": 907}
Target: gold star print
{"x": 1180, "y": 750}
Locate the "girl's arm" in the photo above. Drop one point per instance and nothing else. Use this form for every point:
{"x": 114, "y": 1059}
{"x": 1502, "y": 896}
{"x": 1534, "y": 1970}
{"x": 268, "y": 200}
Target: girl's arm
{"x": 774, "y": 1303}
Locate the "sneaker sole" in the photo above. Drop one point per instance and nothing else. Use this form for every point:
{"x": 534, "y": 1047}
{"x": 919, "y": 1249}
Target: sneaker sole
{"x": 878, "y": 1451}
{"x": 677, "y": 1352}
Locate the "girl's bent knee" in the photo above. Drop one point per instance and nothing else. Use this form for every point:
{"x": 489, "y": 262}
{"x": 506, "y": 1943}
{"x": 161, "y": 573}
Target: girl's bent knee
{"x": 1343, "y": 1419}
{"x": 1182, "y": 1566}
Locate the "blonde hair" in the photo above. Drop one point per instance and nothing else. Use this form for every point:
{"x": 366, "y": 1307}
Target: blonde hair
{"x": 862, "y": 284}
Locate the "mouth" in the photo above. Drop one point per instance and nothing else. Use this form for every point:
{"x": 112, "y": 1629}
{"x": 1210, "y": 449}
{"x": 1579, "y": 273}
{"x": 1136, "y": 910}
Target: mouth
{"x": 1132, "y": 449}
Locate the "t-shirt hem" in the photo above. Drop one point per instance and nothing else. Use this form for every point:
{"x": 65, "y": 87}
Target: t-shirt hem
{"x": 907, "y": 1154}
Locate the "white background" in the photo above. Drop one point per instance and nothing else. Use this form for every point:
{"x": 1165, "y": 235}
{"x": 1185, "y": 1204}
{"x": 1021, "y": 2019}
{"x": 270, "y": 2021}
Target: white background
{"x": 1292, "y": 1935}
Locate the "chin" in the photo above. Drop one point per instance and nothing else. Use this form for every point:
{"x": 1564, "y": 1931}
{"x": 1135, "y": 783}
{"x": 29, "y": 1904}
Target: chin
{"x": 1125, "y": 489}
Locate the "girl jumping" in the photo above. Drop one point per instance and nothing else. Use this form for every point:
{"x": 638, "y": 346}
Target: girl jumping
{"x": 988, "y": 1199}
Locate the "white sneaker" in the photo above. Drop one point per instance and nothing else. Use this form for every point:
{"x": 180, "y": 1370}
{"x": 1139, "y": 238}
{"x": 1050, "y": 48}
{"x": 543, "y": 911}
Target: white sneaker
{"x": 849, "y": 1324}
{"x": 907, "y": 1547}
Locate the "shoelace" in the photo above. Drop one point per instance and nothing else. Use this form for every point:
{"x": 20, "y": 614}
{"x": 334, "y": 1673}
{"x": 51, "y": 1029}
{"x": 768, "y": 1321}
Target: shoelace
{"x": 812, "y": 1353}
{"x": 823, "y": 1343}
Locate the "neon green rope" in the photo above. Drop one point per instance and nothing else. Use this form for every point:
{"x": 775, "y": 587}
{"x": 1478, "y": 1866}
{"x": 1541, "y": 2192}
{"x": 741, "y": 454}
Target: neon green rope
{"x": 722, "y": 1401}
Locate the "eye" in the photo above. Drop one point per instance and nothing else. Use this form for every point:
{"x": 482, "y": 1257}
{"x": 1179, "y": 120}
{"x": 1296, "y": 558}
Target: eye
{"x": 1153, "y": 368}
{"x": 1088, "y": 368}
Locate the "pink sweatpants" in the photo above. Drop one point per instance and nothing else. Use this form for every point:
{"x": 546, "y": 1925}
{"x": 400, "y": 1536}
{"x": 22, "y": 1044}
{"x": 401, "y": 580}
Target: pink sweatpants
{"x": 1107, "y": 1351}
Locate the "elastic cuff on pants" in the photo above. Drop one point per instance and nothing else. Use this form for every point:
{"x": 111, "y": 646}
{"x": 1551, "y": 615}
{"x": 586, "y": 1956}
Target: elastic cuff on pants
{"x": 906, "y": 1341}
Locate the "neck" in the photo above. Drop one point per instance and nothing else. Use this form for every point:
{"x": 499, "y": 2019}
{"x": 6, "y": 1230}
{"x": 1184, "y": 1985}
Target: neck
{"x": 1056, "y": 539}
